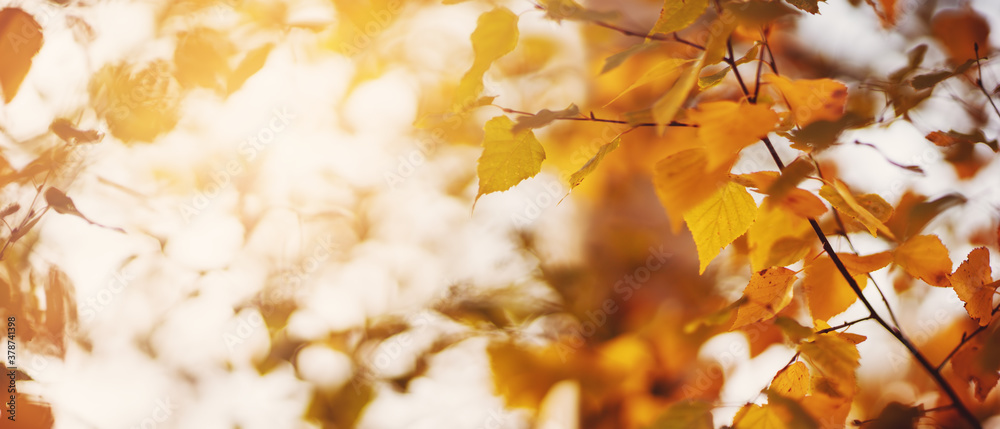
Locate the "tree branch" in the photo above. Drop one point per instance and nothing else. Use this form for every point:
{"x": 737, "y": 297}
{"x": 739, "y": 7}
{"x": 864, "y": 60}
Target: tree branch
{"x": 895, "y": 332}
{"x": 593, "y": 118}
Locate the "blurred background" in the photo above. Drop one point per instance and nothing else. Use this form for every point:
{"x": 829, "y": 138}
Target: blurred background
{"x": 277, "y": 225}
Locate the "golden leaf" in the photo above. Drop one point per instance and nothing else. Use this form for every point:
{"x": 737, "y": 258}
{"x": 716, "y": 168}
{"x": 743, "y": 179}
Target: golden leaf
{"x": 717, "y": 221}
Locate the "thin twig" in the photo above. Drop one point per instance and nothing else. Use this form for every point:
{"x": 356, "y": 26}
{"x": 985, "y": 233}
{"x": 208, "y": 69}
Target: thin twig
{"x": 965, "y": 339}
{"x": 843, "y": 325}
{"x": 672, "y": 37}
{"x": 979, "y": 80}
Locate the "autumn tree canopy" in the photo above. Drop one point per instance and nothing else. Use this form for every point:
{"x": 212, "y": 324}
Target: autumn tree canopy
{"x": 632, "y": 214}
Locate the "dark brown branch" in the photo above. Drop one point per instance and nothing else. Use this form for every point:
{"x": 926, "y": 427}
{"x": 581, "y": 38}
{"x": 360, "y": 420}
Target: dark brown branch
{"x": 843, "y": 233}
{"x": 731, "y": 60}
{"x": 895, "y": 332}
{"x": 593, "y": 118}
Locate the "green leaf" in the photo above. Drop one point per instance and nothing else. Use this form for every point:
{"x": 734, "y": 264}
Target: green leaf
{"x": 591, "y": 165}
{"x": 495, "y": 36}
{"x": 678, "y": 14}
{"x": 507, "y": 158}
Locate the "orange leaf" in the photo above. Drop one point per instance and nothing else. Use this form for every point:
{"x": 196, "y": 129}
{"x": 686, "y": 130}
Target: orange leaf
{"x": 768, "y": 292}
{"x": 827, "y": 292}
{"x": 683, "y": 180}
{"x": 958, "y": 30}
{"x": 844, "y": 201}
{"x": 979, "y": 361}
{"x": 865, "y": 264}
{"x": 925, "y": 257}
{"x": 812, "y": 100}
{"x": 726, "y": 127}
{"x": 20, "y": 39}
{"x": 973, "y": 282}
{"x": 830, "y": 412}
{"x": 803, "y": 203}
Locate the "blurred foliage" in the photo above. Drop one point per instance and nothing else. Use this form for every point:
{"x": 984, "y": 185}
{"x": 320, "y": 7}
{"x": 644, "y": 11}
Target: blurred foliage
{"x": 651, "y": 147}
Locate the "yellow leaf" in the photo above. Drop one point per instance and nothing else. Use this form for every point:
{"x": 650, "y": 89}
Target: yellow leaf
{"x": 973, "y": 282}
{"x": 792, "y": 381}
{"x": 507, "y": 158}
{"x": 811, "y": 100}
{"x": 717, "y": 221}
{"x": 836, "y": 358}
{"x": 778, "y": 412}
{"x": 926, "y": 258}
{"x": 568, "y": 9}
{"x": 705, "y": 82}
{"x": 523, "y": 376}
{"x": 661, "y": 71}
{"x": 666, "y": 108}
{"x": 768, "y": 292}
{"x": 726, "y": 127}
{"x": 682, "y": 181}
{"x": 686, "y": 415}
{"x": 778, "y": 237}
{"x": 843, "y": 200}
{"x": 760, "y": 417}
{"x": 827, "y": 293}
{"x": 678, "y": 14}
{"x": 591, "y": 165}
{"x": 495, "y": 36}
